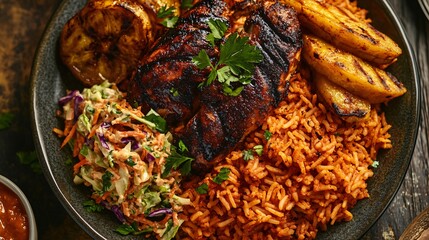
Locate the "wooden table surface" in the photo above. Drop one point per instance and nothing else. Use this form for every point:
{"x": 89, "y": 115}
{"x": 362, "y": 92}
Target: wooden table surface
{"x": 22, "y": 24}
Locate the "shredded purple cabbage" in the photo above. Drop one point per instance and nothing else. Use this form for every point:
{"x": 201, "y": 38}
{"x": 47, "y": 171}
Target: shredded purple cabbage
{"x": 118, "y": 213}
{"x": 160, "y": 212}
{"x": 103, "y": 141}
{"x": 134, "y": 144}
{"x": 105, "y": 125}
{"x": 150, "y": 157}
{"x": 64, "y": 100}
{"x": 77, "y": 100}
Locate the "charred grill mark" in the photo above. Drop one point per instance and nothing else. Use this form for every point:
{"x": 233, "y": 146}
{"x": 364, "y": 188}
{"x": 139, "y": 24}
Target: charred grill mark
{"x": 339, "y": 111}
{"x": 282, "y": 25}
{"x": 378, "y": 33}
{"x": 383, "y": 81}
{"x": 339, "y": 64}
{"x": 265, "y": 72}
{"x": 359, "y": 67}
{"x": 399, "y": 84}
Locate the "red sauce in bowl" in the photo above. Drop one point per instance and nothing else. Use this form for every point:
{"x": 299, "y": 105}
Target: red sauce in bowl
{"x": 13, "y": 217}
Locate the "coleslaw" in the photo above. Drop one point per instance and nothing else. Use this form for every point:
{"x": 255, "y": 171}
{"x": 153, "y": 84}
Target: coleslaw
{"x": 126, "y": 158}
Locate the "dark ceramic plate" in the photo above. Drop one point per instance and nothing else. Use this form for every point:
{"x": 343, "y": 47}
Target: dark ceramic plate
{"x": 50, "y": 80}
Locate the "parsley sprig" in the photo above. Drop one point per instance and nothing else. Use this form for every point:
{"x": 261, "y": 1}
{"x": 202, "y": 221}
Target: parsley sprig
{"x": 222, "y": 175}
{"x": 248, "y": 154}
{"x": 236, "y": 62}
{"x": 177, "y": 160}
{"x": 167, "y": 16}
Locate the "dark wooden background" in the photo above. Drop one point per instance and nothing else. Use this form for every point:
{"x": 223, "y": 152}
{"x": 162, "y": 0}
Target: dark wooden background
{"x": 21, "y": 25}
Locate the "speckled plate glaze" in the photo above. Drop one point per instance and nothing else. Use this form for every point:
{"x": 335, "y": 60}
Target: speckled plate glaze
{"x": 50, "y": 79}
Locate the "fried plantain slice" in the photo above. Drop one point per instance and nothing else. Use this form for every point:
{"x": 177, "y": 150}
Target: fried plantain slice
{"x": 107, "y": 39}
{"x": 351, "y": 72}
{"x": 343, "y": 103}
{"x": 346, "y": 32}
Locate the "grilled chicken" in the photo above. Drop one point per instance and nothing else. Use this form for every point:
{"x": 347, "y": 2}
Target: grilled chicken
{"x": 169, "y": 68}
{"x": 107, "y": 39}
{"x": 209, "y": 122}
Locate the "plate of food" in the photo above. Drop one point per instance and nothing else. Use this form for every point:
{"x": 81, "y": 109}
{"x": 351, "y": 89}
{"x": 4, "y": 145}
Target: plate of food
{"x": 225, "y": 119}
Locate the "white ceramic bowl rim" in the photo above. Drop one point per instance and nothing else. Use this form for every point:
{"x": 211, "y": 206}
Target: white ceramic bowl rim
{"x": 25, "y": 203}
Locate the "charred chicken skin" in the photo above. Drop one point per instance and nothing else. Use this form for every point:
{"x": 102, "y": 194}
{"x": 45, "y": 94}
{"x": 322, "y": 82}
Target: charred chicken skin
{"x": 209, "y": 122}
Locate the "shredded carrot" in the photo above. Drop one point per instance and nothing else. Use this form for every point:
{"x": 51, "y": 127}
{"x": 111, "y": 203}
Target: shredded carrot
{"x": 93, "y": 131}
{"x": 69, "y": 136}
{"x": 67, "y": 127}
{"x": 95, "y": 118}
{"x": 78, "y": 144}
{"x": 59, "y": 132}
{"x": 79, "y": 164}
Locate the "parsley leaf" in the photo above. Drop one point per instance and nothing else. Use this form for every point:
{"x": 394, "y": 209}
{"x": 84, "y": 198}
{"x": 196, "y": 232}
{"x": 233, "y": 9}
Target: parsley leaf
{"x": 30, "y": 159}
{"x": 182, "y": 146}
{"x": 236, "y": 62}
{"x": 160, "y": 123}
{"x": 258, "y": 149}
{"x": 130, "y": 162}
{"x": 202, "y": 60}
{"x": 6, "y": 120}
{"x": 177, "y": 161}
{"x": 165, "y": 12}
{"x": 106, "y": 180}
{"x": 174, "y": 91}
{"x": 92, "y": 206}
{"x": 218, "y": 29}
{"x": 169, "y": 20}
{"x": 248, "y": 155}
{"x": 222, "y": 175}
{"x": 267, "y": 135}
{"x": 133, "y": 229}
{"x": 202, "y": 189}
{"x": 125, "y": 229}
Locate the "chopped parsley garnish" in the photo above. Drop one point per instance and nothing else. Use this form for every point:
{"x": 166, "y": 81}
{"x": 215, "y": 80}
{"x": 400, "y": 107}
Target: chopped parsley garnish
{"x": 133, "y": 229}
{"x": 130, "y": 162}
{"x": 169, "y": 20}
{"x": 182, "y": 146}
{"x": 218, "y": 29}
{"x": 222, "y": 175}
{"x": 236, "y": 62}
{"x": 248, "y": 155}
{"x": 30, "y": 159}
{"x": 6, "y": 120}
{"x": 174, "y": 91}
{"x": 258, "y": 149}
{"x": 186, "y": 4}
{"x": 106, "y": 179}
{"x": 202, "y": 189}
{"x": 178, "y": 161}
{"x": 165, "y": 12}
{"x": 92, "y": 206}
{"x": 160, "y": 123}
{"x": 267, "y": 135}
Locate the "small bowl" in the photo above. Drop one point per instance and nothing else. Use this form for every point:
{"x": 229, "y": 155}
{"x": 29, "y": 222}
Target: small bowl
{"x": 32, "y": 228}
{"x": 418, "y": 228}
